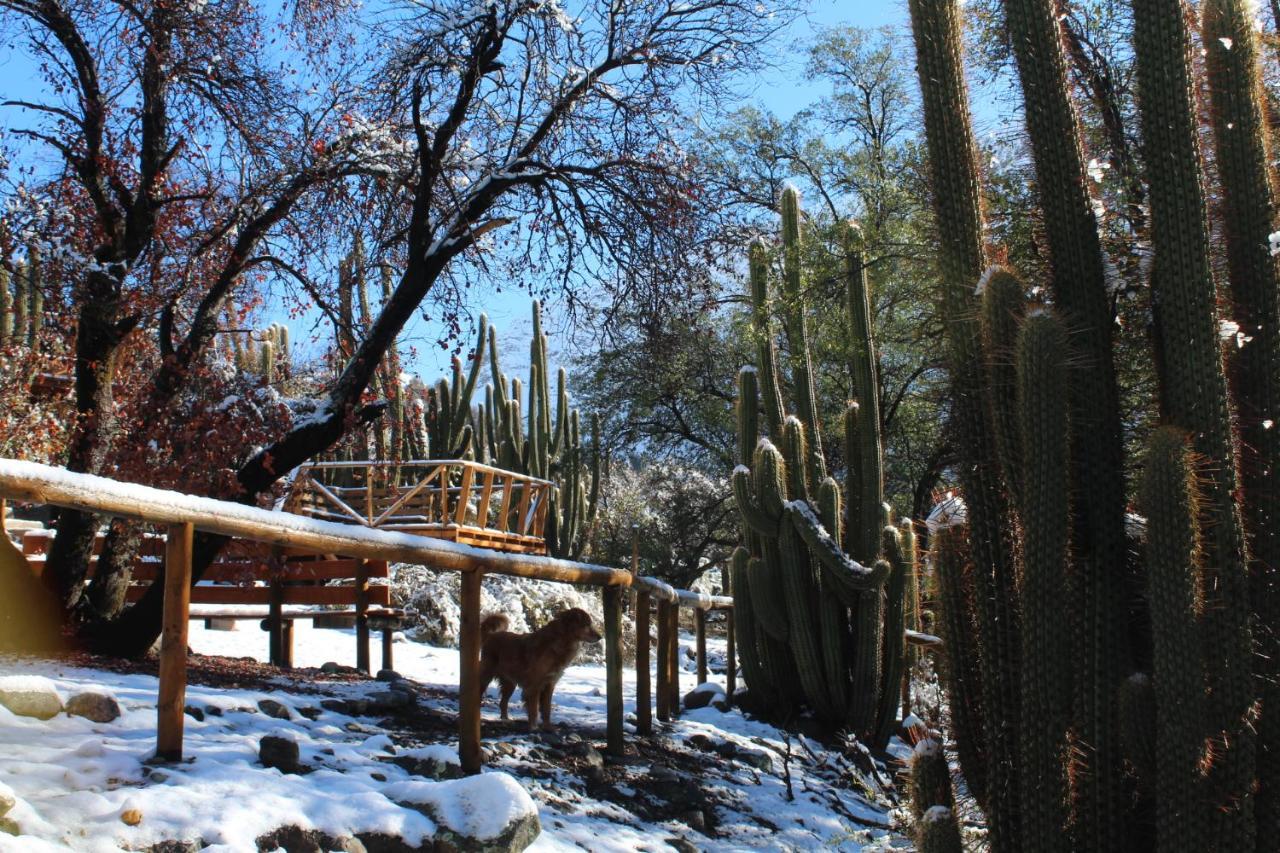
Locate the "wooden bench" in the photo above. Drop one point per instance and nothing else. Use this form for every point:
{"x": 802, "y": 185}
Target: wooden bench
{"x": 274, "y": 583}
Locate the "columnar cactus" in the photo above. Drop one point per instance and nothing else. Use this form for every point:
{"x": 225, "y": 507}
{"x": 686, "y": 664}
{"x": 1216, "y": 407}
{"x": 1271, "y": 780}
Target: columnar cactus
{"x": 930, "y": 778}
{"x": 1187, "y": 727}
{"x": 812, "y": 572}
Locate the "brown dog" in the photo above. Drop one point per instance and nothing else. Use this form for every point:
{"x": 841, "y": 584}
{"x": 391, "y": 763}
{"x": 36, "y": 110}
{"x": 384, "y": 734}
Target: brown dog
{"x": 534, "y": 661}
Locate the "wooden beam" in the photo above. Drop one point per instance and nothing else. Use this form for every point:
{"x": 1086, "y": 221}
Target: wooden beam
{"x": 469, "y": 682}
{"x": 700, "y": 629}
{"x": 44, "y": 484}
{"x": 613, "y": 668}
{"x": 644, "y": 697}
{"x": 173, "y": 643}
{"x": 663, "y": 693}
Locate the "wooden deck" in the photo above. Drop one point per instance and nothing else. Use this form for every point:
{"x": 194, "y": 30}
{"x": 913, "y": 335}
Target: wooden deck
{"x": 453, "y": 499}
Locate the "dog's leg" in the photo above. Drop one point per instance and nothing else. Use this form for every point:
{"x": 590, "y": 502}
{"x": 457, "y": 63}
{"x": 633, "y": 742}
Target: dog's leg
{"x": 546, "y": 704}
{"x": 507, "y": 687}
{"x": 530, "y": 693}
{"x": 487, "y": 671}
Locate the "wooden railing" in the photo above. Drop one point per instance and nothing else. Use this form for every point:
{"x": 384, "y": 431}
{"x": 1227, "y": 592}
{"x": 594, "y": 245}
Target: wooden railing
{"x": 31, "y": 482}
{"x": 455, "y": 499}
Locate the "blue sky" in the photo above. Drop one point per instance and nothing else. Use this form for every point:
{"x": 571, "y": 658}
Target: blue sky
{"x": 782, "y": 90}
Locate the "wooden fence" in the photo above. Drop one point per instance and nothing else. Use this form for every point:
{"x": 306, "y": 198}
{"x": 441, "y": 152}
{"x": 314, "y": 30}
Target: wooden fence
{"x": 183, "y": 514}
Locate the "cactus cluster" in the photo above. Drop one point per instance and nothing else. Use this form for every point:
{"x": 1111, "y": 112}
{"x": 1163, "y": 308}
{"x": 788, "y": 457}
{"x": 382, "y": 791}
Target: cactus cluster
{"x": 264, "y": 353}
{"x": 1147, "y": 734}
{"x": 22, "y": 302}
{"x": 822, "y": 574}
{"x": 932, "y": 801}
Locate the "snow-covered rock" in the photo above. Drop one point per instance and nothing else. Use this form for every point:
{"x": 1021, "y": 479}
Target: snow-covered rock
{"x": 30, "y": 696}
{"x": 488, "y": 812}
{"x": 707, "y": 694}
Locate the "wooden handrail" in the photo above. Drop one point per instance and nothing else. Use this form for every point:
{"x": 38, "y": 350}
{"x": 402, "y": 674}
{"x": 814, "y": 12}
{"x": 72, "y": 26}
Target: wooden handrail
{"x": 421, "y": 463}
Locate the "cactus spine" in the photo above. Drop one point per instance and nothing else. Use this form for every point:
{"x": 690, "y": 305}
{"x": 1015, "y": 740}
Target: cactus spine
{"x": 805, "y": 585}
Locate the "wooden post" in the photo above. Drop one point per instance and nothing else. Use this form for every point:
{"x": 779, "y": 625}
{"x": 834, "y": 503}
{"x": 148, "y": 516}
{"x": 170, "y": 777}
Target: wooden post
{"x": 469, "y": 682}
{"x": 286, "y": 644}
{"x": 613, "y": 667}
{"x": 362, "y": 616}
{"x": 644, "y": 698}
{"x": 673, "y": 660}
{"x": 173, "y": 642}
{"x": 664, "y": 694}
{"x": 388, "y": 634}
{"x": 731, "y": 657}
{"x": 275, "y": 623}
{"x": 700, "y": 627}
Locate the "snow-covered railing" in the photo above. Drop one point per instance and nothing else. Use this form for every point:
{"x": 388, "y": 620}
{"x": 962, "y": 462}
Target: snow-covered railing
{"x": 184, "y": 514}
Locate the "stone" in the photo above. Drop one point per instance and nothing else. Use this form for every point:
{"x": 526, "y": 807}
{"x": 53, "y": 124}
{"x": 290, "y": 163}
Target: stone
{"x": 681, "y": 845}
{"x": 272, "y": 708}
{"x": 502, "y": 747}
{"x": 662, "y": 773}
{"x": 701, "y": 742}
{"x": 30, "y": 696}
{"x": 330, "y": 667}
{"x": 310, "y": 713}
{"x": 195, "y": 713}
{"x": 10, "y": 826}
{"x": 295, "y": 839}
{"x": 7, "y": 799}
{"x": 185, "y": 845}
{"x": 695, "y": 820}
{"x": 98, "y": 707}
{"x": 522, "y": 831}
{"x": 213, "y": 710}
{"x": 388, "y": 701}
{"x": 280, "y": 753}
{"x": 428, "y": 768}
{"x": 705, "y": 695}
{"x": 588, "y": 753}
{"x": 757, "y": 758}
{"x": 158, "y": 776}
{"x": 594, "y": 775}
{"x": 388, "y": 675}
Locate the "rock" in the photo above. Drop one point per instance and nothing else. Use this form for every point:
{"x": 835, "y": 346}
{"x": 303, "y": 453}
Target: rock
{"x": 295, "y": 839}
{"x": 588, "y": 753}
{"x": 330, "y": 667}
{"x": 757, "y": 758}
{"x": 158, "y": 776}
{"x": 310, "y": 713}
{"x": 30, "y": 696}
{"x": 213, "y": 710}
{"x": 594, "y": 775}
{"x": 7, "y": 799}
{"x": 701, "y": 742}
{"x": 9, "y": 826}
{"x": 98, "y": 707}
{"x": 187, "y": 845}
{"x": 272, "y": 708}
{"x": 388, "y": 675}
{"x": 681, "y": 844}
{"x": 131, "y": 817}
{"x": 695, "y": 820}
{"x": 378, "y": 777}
{"x": 521, "y": 825}
{"x": 195, "y": 713}
{"x": 388, "y": 701}
{"x": 280, "y": 753}
{"x": 706, "y": 694}
{"x": 428, "y": 767}
{"x": 662, "y": 773}
{"x": 504, "y": 748}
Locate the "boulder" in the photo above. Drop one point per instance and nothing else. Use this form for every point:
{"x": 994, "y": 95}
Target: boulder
{"x": 330, "y": 667}
{"x": 489, "y": 813}
{"x": 280, "y": 753}
{"x": 7, "y": 799}
{"x": 98, "y": 707}
{"x": 272, "y": 708}
{"x": 388, "y": 675}
{"x": 295, "y": 839}
{"x": 30, "y": 696}
{"x": 706, "y": 694}
{"x": 194, "y": 713}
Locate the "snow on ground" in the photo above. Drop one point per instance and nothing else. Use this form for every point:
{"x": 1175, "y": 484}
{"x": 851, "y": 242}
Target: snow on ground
{"x": 73, "y": 778}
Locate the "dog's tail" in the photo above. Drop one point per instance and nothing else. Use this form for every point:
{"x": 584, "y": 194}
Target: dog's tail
{"x": 492, "y": 624}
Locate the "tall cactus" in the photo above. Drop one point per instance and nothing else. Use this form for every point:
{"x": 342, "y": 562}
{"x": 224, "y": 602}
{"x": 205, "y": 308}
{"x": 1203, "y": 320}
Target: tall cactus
{"x": 957, "y": 205}
{"x": 6, "y": 307}
{"x": 1197, "y": 771}
{"x": 1243, "y": 156}
{"x": 807, "y": 586}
